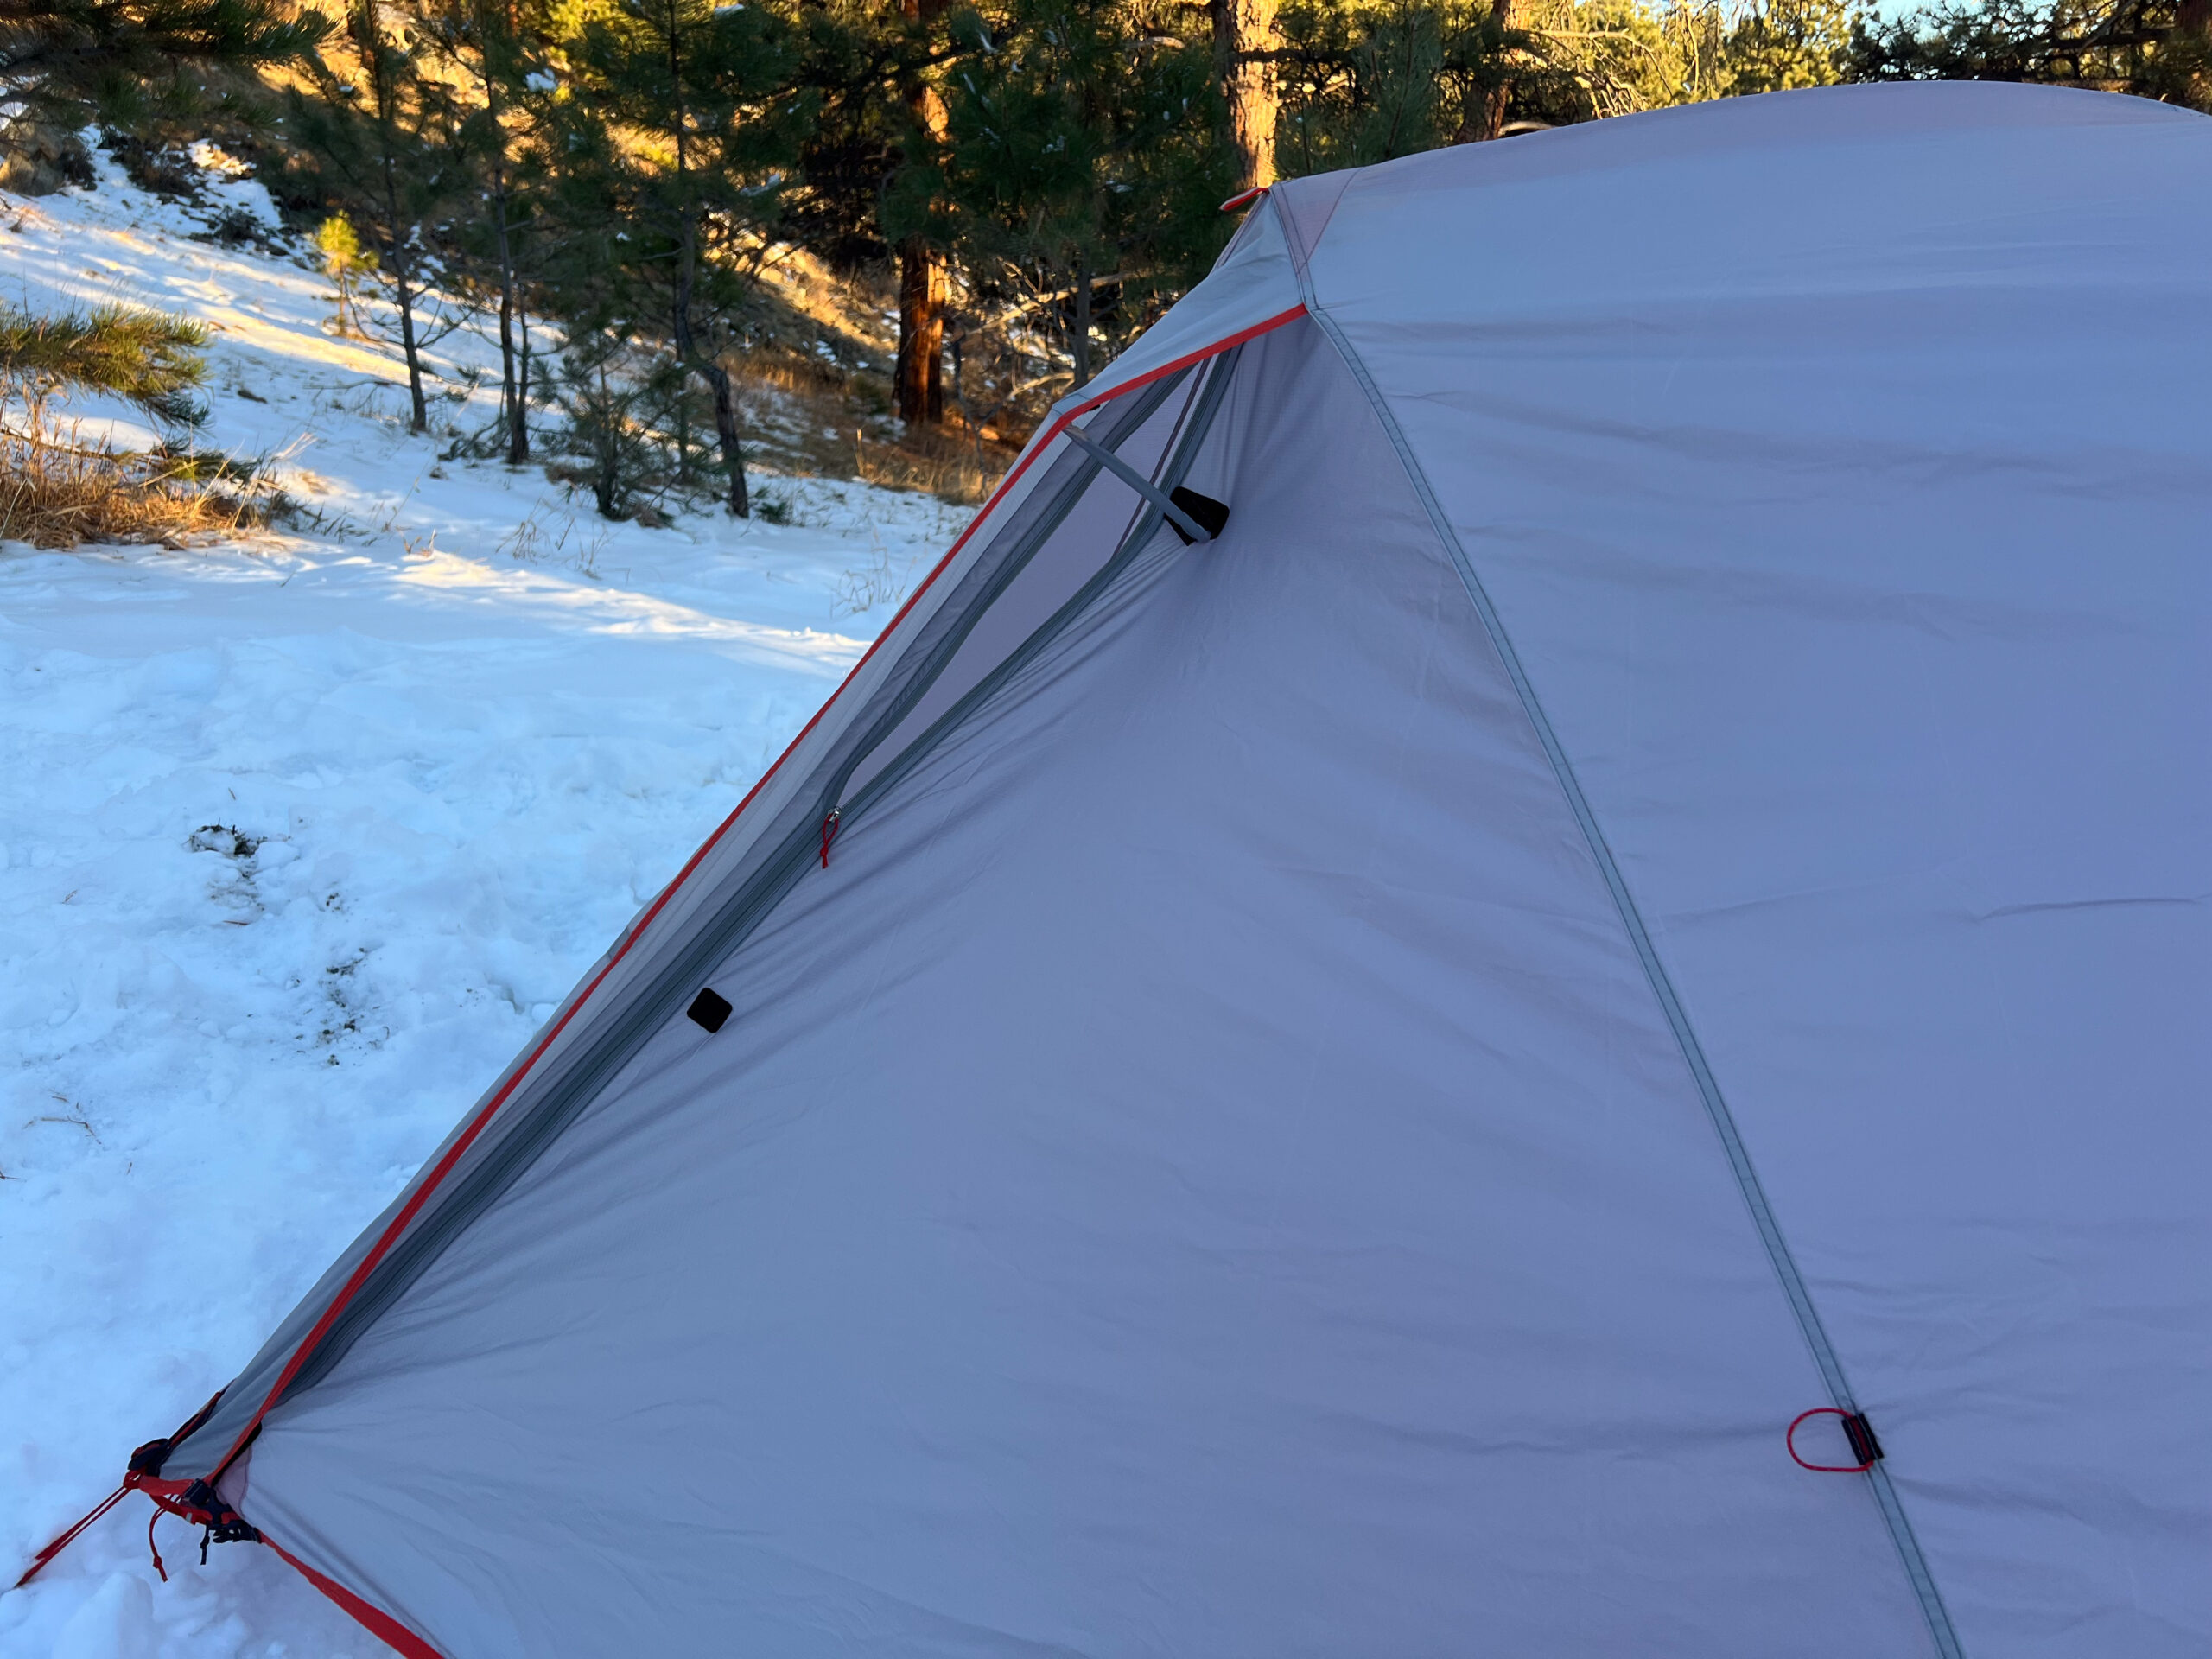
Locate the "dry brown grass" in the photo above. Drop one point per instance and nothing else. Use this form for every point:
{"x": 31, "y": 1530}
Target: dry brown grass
{"x": 58, "y": 494}
{"x": 945, "y": 465}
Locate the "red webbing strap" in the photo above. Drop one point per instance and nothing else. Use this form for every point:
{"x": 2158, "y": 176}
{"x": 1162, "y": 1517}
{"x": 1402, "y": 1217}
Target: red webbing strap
{"x": 167, "y": 1500}
{"x": 379, "y": 1624}
{"x": 477, "y": 1125}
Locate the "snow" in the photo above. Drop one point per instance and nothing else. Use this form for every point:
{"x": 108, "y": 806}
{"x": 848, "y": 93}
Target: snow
{"x": 303, "y": 836}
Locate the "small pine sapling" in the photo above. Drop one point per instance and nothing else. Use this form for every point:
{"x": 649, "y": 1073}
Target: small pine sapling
{"x": 348, "y": 265}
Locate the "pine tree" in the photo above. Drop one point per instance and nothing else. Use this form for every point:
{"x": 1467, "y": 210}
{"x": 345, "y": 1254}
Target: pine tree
{"x": 1079, "y": 154}
{"x": 686, "y": 130}
{"x": 2153, "y": 48}
{"x": 488, "y": 44}
{"x": 384, "y": 150}
{"x": 348, "y": 265}
{"x": 130, "y": 63}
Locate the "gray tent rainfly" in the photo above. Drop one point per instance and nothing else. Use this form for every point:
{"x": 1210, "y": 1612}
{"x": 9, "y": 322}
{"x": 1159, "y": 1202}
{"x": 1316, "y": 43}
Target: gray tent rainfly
{"x": 1581, "y": 1029}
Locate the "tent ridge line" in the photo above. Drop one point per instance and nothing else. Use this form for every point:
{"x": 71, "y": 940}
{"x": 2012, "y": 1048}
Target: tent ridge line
{"x": 1663, "y": 988}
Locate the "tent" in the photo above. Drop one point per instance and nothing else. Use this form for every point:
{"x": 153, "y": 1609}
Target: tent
{"x": 1513, "y": 960}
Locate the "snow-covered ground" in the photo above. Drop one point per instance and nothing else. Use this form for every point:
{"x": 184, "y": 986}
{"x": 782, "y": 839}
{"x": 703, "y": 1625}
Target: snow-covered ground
{"x": 299, "y": 839}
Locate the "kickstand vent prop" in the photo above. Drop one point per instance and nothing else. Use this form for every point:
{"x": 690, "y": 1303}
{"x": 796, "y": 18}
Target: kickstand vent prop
{"x": 1211, "y": 516}
{"x": 1175, "y": 508}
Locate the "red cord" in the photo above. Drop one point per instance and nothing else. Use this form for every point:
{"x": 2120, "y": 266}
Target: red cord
{"x": 150, "y": 1550}
{"x": 39, "y": 1561}
{"x": 828, "y": 835}
{"x": 1790, "y": 1442}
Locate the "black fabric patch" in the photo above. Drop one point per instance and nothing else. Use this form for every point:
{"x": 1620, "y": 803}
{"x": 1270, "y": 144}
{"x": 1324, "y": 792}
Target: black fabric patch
{"x": 710, "y": 1010}
{"x": 1207, "y": 513}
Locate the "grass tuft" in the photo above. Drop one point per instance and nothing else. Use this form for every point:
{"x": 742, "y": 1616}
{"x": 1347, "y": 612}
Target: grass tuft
{"x": 59, "y": 494}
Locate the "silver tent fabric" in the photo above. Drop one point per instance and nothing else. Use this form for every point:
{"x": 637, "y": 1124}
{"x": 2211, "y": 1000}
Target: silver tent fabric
{"x": 1223, "y": 1159}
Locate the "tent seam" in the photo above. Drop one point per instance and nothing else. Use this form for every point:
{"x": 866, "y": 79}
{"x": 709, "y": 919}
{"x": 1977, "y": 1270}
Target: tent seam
{"x": 1794, "y": 1288}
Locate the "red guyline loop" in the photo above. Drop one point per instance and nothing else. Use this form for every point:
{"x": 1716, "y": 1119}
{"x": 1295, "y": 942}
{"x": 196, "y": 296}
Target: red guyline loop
{"x": 1866, "y": 1447}
{"x": 1243, "y": 198}
{"x": 152, "y": 1520}
{"x": 142, "y": 1474}
{"x": 828, "y": 835}
{"x": 468, "y": 1136}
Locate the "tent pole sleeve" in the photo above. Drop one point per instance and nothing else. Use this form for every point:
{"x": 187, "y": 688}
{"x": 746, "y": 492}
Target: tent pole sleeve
{"x": 1137, "y": 481}
{"x": 1662, "y": 986}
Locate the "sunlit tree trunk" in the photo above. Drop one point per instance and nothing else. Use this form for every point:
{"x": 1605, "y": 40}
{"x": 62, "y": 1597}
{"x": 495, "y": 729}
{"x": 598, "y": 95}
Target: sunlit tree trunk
{"x": 919, "y": 377}
{"x": 920, "y": 372}
{"x": 1241, "y": 28}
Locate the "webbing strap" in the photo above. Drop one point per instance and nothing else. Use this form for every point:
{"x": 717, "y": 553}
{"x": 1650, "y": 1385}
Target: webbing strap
{"x": 1663, "y": 986}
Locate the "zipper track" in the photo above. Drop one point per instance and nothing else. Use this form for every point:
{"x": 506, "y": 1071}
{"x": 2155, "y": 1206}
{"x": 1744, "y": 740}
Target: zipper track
{"x": 1145, "y": 525}
{"x": 473, "y": 1191}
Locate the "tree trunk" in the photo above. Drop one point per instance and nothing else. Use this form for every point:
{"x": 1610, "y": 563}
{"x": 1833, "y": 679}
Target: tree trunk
{"x": 917, "y": 378}
{"x": 1240, "y": 28}
{"x": 687, "y": 267}
{"x": 1083, "y": 318}
{"x": 421, "y": 420}
{"x": 725, "y": 434}
{"x": 919, "y": 374}
{"x": 405, "y": 291}
{"x": 1488, "y": 120}
{"x": 395, "y": 237}
{"x": 513, "y": 392}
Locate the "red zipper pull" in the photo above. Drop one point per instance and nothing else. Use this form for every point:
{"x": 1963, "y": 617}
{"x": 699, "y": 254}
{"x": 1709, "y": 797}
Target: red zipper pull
{"x": 828, "y": 835}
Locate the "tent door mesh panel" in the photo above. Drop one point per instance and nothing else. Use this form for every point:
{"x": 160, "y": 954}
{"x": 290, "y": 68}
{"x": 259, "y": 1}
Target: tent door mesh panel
{"x": 777, "y": 868}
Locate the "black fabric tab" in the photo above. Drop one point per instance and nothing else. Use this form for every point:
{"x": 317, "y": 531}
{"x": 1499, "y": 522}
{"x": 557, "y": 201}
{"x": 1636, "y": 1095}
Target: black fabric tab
{"x": 1207, "y": 513}
{"x": 1860, "y": 1434}
{"x": 710, "y": 1010}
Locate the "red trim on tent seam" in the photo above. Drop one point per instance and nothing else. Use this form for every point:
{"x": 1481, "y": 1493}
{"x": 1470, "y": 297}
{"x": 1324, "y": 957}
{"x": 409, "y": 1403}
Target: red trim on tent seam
{"x": 379, "y": 1624}
{"x": 477, "y": 1125}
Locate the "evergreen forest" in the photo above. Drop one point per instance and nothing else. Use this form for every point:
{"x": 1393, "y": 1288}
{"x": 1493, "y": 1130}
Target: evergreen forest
{"x": 607, "y": 187}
